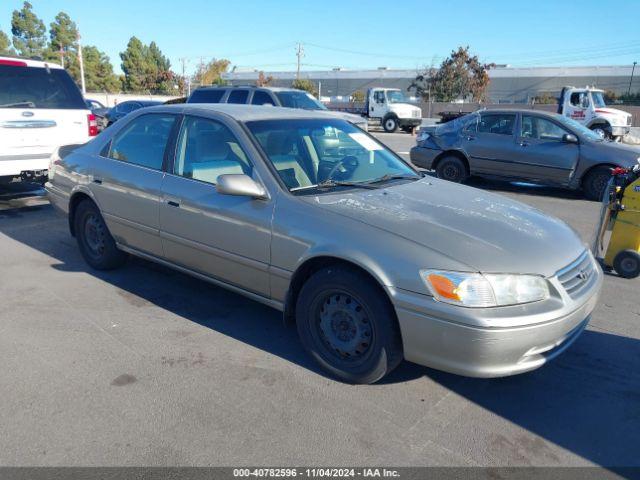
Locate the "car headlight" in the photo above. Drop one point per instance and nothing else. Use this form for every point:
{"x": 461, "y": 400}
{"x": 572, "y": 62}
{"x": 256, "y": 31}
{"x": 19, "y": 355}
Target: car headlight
{"x": 422, "y": 136}
{"x": 484, "y": 290}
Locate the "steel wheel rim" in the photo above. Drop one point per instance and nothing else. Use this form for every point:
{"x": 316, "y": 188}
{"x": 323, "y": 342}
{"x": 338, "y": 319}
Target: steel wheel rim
{"x": 344, "y": 327}
{"x": 94, "y": 235}
{"x": 628, "y": 265}
{"x": 451, "y": 172}
{"x": 390, "y": 124}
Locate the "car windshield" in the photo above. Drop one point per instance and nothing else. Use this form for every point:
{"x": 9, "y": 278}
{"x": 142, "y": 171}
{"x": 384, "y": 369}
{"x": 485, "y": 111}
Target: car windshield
{"x": 598, "y": 99}
{"x": 32, "y": 87}
{"x": 579, "y": 128}
{"x": 396, "y": 96}
{"x": 299, "y": 99}
{"x": 320, "y": 155}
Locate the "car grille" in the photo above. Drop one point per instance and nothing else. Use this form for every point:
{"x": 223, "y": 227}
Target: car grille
{"x": 576, "y": 276}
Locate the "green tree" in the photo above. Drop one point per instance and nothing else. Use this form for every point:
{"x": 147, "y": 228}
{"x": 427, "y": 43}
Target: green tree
{"x": 460, "y": 76}
{"x": 5, "y": 45}
{"x": 211, "y": 73}
{"x": 306, "y": 85}
{"x": 135, "y": 66}
{"x": 63, "y": 44}
{"x": 99, "y": 76}
{"x": 28, "y": 32}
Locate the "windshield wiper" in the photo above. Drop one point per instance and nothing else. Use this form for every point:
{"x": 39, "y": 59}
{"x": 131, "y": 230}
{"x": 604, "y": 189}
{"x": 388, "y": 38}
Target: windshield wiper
{"x": 387, "y": 177}
{"x": 329, "y": 183}
{"x": 19, "y": 104}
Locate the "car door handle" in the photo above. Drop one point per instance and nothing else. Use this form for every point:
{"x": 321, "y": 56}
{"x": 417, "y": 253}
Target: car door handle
{"x": 98, "y": 181}
{"x": 173, "y": 203}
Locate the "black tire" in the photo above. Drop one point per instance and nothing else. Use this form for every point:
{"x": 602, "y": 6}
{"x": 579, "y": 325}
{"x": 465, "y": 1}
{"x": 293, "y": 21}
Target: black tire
{"x": 453, "y": 169}
{"x": 96, "y": 243}
{"x": 627, "y": 264}
{"x": 347, "y": 324}
{"x": 390, "y": 124}
{"x": 595, "y": 183}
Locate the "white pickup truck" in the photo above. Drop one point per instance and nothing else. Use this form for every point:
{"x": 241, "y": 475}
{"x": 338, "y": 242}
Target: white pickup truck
{"x": 387, "y": 105}
{"x": 41, "y": 108}
{"x": 587, "y": 106}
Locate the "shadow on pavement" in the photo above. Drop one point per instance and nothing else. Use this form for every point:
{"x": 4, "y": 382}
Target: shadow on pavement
{"x": 587, "y": 401}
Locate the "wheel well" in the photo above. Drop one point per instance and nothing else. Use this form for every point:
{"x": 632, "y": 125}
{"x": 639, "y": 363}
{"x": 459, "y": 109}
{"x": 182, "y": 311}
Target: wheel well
{"x": 591, "y": 169}
{"x": 390, "y": 115}
{"x": 598, "y": 122}
{"x": 451, "y": 153}
{"x": 306, "y": 270}
{"x": 73, "y": 204}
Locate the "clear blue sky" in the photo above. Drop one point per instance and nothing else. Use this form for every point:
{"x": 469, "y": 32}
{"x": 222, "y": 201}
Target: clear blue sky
{"x": 357, "y": 34}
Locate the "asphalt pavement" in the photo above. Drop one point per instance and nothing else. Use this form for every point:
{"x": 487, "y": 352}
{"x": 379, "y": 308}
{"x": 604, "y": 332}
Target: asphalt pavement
{"x": 146, "y": 366}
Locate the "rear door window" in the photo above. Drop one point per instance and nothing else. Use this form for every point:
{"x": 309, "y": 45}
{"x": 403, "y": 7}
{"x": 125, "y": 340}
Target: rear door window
{"x": 144, "y": 141}
{"x": 262, "y": 98}
{"x": 34, "y": 87}
{"x": 207, "y": 96}
{"x": 238, "y": 96}
{"x": 499, "y": 124}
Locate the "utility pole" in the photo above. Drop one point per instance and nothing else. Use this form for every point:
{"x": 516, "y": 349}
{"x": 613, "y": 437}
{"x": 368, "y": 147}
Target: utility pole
{"x": 299, "y": 54}
{"x": 61, "y": 56}
{"x": 84, "y": 89}
{"x": 183, "y": 61}
{"x": 631, "y": 79}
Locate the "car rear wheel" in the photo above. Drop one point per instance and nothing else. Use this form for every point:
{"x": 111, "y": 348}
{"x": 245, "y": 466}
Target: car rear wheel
{"x": 453, "y": 169}
{"x": 595, "y": 183}
{"x": 97, "y": 246}
{"x": 348, "y": 325}
{"x": 627, "y": 264}
{"x": 390, "y": 124}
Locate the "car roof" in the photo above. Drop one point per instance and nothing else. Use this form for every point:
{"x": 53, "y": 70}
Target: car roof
{"x": 27, "y": 62}
{"x": 251, "y": 87}
{"x": 248, "y": 113}
{"x": 543, "y": 113}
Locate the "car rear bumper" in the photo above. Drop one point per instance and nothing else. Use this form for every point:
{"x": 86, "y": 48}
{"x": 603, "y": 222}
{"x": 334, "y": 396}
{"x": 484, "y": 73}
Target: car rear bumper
{"x": 14, "y": 165}
{"x": 58, "y": 199}
{"x": 485, "y": 352}
{"x": 423, "y": 157}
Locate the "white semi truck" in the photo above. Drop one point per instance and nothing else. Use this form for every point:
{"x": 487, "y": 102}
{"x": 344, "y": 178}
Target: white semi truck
{"x": 587, "y": 106}
{"x": 389, "y": 106}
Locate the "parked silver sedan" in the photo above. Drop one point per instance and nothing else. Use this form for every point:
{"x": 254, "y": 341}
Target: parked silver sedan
{"x": 309, "y": 214}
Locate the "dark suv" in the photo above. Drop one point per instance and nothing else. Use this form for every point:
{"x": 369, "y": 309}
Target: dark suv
{"x": 274, "y": 96}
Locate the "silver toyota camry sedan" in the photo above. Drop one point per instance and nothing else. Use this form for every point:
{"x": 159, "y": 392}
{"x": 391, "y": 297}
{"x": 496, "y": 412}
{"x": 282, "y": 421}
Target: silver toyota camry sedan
{"x": 371, "y": 260}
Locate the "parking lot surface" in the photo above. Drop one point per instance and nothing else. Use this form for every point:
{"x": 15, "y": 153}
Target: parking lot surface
{"x": 146, "y": 366}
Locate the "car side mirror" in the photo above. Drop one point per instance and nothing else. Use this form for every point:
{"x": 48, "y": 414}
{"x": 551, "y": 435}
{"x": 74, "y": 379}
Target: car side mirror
{"x": 569, "y": 138}
{"x": 240, "y": 185}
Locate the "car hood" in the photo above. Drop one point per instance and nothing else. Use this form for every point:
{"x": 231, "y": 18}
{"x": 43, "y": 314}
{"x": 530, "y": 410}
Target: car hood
{"x": 487, "y": 232}
{"x": 350, "y": 117}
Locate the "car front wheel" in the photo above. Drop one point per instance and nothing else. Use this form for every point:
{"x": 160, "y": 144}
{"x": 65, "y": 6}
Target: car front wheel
{"x": 390, "y": 124}
{"x": 347, "y": 324}
{"x": 595, "y": 183}
{"x": 97, "y": 246}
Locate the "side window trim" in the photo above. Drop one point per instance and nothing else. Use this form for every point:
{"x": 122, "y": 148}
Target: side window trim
{"x": 123, "y": 130}
{"x": 178, "y": 128}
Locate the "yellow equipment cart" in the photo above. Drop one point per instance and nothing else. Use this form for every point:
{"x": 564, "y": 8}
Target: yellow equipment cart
{"x": 621, "y": 215}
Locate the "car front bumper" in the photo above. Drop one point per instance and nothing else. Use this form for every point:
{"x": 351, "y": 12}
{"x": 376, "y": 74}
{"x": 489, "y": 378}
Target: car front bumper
{"x": 423, "y": 157}
{"x": 620, "y": 131}
{"x": 409, "y": 122}
{"x": 453, "y": 345}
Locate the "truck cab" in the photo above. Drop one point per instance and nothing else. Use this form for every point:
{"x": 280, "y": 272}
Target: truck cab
{"x": 587, "y": 106}
{"x": 392, "y": 108}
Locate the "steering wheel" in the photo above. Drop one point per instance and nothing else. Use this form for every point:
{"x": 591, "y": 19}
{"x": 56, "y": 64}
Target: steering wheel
{"x": 343, "y": 168}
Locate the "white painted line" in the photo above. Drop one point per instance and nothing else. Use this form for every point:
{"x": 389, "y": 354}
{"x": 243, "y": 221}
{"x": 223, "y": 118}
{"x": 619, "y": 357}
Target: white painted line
{"x": 403, "y": 153}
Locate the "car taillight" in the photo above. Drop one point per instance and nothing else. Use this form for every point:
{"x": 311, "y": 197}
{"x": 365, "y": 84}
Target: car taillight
{"x": 93, "y": 125}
